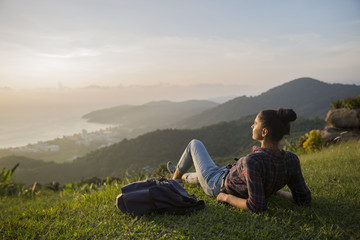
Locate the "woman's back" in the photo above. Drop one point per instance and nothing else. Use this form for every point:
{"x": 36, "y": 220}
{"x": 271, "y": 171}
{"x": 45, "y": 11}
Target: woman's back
{"x": 262, "y": 173}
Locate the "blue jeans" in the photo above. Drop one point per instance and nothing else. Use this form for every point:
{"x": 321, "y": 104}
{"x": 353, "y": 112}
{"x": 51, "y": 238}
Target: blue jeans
{"x": 208, "y": 174}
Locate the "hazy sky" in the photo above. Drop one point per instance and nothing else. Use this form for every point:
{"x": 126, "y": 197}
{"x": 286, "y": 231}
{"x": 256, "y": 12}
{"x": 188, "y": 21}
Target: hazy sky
{"x": 45, "y": 43}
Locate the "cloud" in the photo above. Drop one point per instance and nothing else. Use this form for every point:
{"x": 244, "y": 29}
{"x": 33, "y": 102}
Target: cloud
{"x": 141, "y": 43}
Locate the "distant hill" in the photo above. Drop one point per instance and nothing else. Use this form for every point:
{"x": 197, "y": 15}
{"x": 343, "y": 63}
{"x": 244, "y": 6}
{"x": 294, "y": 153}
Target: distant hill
{"x": 29, "y": 170}
{"x": 224, "y": 141}
{"x": 161, "y": 114}
{"x": 308, "y": 97}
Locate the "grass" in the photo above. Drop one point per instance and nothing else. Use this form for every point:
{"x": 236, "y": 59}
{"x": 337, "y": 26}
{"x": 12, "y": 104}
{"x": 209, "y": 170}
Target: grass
{"x": 333, "y": 175}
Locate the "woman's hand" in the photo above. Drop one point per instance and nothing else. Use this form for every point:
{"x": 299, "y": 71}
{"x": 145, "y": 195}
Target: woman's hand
{"x": 221, "y": 197}
{"x": 232, "y": 200}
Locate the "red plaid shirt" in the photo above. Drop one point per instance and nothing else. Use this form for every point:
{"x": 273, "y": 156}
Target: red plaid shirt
{"x": 261, "y": 173}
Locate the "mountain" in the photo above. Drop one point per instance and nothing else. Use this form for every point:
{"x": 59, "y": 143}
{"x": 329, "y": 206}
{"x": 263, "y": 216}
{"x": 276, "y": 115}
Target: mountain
{"x": 308, "y": 97}
{"x": 161, "y": 114}
{"x": 224, "y": 141}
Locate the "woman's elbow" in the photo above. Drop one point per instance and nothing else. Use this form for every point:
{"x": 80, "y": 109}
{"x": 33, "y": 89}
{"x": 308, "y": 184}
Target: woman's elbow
{"x": 256, "y": 208}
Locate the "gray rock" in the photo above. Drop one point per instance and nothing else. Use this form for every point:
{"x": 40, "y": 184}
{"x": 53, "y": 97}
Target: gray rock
{"x": 344, "y": 118}
{"x": 337, "y": 135}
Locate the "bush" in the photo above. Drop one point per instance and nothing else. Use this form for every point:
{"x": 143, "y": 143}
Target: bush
{"x": 314, "y": 141}
{"x": 310, "y": 142}
{"x": 349, "y": 103}
{"x": 7, "y": 187}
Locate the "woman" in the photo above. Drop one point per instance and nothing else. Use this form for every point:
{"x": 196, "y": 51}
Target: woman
{"x": 255, "y": 177}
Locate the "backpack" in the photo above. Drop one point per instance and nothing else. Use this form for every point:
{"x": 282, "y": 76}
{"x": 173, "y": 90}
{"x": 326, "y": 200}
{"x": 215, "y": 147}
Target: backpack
{"x": 156, "y": 195}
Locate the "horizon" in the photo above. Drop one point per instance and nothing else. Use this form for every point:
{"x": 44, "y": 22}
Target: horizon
{"x": 268, "y": 86}
{"x": 74, "y": 44}
{"x": 32, "y": 115}
{"x": 82, "y": 98}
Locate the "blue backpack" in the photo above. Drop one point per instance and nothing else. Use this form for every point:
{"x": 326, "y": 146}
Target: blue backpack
{"x": 156, "y": 195}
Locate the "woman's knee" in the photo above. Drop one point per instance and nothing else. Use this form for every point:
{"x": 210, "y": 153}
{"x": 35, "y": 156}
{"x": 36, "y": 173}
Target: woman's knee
{"x": 194, "y": 143}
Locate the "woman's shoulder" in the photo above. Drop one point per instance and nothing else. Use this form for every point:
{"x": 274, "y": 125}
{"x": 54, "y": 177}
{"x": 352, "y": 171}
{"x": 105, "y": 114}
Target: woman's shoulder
{"x": 260, "y": 153}
{"x": 290, "y": 156}
{"x": 255, "y": 157}
{"x": 256, "y": 152}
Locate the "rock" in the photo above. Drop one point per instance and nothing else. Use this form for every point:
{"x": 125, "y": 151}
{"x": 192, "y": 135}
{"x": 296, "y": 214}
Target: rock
{"x": 344, "y": 118}
{"x": 347, "y": 135}
{"x": 329, "y": 134}
{"x": 336, "y": 135}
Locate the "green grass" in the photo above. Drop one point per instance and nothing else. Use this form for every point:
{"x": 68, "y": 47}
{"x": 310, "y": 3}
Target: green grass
{"x": 333, "y": 175}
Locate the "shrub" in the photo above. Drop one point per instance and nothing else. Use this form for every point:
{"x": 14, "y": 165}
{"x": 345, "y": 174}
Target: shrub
{"x": 314, "y": 141}
{"x": 310, "y": 142}
{"x": 349, "y": 103}
{"x": 7, "y": 187}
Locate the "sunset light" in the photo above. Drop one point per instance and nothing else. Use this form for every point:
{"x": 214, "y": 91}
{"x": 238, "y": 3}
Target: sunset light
{"x": 83, "y": 43}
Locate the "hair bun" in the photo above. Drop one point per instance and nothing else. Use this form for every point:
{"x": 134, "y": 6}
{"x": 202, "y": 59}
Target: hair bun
{"x": 286, "y": 115}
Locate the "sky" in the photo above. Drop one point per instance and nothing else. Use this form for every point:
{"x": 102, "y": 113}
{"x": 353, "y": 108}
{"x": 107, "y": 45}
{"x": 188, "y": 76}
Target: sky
{"x": 77, "y": 43}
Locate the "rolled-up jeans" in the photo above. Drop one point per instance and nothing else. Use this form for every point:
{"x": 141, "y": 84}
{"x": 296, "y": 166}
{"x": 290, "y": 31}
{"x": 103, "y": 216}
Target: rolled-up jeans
{"x": 208, "y": 174}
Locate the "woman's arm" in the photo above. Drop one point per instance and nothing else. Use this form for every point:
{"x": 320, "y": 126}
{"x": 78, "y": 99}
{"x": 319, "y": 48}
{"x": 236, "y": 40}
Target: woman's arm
{"x": 300, "y": 192}
{"x": 232, "y": 200}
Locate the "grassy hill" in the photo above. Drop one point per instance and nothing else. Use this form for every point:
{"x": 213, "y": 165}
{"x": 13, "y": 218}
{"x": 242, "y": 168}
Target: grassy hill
{"x": 333, "y": 176}
{"x": 308, "y": 97}
{"x": 224, "y": 141}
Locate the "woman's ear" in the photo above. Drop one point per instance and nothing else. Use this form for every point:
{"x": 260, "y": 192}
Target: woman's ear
{"x": 264, "y": 132}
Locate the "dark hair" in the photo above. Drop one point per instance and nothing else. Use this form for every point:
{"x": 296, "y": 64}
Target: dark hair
{"x": 277, "y": 122}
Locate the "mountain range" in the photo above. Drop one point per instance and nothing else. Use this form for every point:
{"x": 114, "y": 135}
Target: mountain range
{"x": 153, "y": 115}
{"x": 307, "y": 96}
{"x": 224, "y": 129}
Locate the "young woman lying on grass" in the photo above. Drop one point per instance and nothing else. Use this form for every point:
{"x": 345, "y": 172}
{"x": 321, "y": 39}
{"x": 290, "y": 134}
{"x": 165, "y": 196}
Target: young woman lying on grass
{"x": 255, "y": 177}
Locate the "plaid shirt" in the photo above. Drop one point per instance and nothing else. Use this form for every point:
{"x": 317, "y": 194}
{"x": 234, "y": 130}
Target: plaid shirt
{"x": 261, "y": 173}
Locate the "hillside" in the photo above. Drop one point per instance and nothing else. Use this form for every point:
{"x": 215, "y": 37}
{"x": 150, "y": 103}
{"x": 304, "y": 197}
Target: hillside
{"x": 81, "y": 212}
{"x": 308, "y": 97}
{"x": 224, "y": 141}
{"x": 152, "y": 115}
{"x": 29, "y": 171}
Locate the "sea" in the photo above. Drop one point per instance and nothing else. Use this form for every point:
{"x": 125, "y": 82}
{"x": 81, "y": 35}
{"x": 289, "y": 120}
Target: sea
{"x": 25, "y": 129}
{"x": 28, "y": 116}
